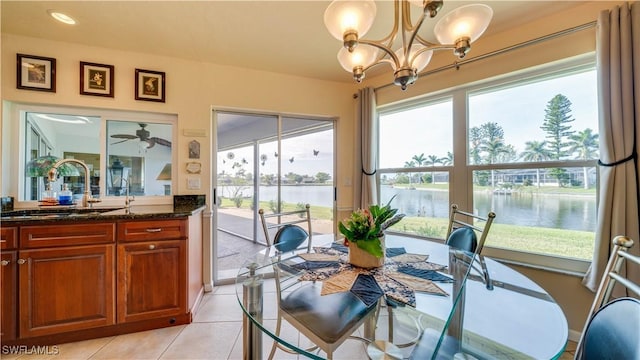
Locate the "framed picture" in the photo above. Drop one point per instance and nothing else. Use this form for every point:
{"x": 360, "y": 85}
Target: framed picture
{"x": 150, "y": 85}
{"x": 194, "y": 150}
{"x": 36, "y": 73}
{"x": 96, "y": 79}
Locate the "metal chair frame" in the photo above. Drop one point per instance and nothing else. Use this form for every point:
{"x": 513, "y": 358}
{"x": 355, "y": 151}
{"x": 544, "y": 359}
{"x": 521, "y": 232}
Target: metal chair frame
{"x": 455, "y": 218}
{"x": 611, "y": 277}
{"x": 305, "y": 218}
{"x": 455, "y": 221}
{"x": 286, "y": 279}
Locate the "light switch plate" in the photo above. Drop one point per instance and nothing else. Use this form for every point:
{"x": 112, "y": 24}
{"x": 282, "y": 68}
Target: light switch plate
{"x": 193, "y": 183}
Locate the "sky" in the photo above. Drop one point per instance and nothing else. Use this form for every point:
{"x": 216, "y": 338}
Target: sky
{"x": 302, "y": 149}
{"x": 520, "y": 111}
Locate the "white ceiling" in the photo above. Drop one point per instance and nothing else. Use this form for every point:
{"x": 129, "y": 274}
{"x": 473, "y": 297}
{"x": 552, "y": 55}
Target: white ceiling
{"x": 279, "y": 36}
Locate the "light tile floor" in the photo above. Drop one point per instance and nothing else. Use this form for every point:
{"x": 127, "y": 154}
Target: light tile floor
{"x": 215, "y": 333}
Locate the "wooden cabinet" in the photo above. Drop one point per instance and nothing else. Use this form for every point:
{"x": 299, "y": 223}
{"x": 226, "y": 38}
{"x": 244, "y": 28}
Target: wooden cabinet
{"x": 65, "y": 289}
{"x": 9, "y": 278}
{"x": 66, "y": 278}
{"x": 8, "y": 238}
{"x": 75, "y": 280}
{"x": 152, "y": 275}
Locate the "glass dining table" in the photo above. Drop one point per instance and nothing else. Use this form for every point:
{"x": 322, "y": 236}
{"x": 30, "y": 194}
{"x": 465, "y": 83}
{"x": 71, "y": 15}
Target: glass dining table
{"x": 450, "y": 302}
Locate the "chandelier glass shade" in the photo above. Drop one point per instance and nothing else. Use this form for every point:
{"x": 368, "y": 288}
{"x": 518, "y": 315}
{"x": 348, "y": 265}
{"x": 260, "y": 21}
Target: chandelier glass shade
{"x": 349, "y": 21}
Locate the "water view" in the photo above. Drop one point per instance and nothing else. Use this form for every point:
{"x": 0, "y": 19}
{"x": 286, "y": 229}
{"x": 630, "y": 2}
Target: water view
{"x": 570, "y": 212}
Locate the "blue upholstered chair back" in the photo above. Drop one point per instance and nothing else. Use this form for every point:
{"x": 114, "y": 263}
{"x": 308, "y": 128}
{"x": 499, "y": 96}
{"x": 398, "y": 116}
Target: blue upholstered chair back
{"x": 463, "y": 238}
{"x": 289, "y": 238}
{"x": 614, "y": 331}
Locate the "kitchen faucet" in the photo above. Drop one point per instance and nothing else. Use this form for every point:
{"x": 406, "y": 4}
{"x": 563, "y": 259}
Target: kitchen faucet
{"x": 86, "y": 197}
{"x": 127, "y": 200}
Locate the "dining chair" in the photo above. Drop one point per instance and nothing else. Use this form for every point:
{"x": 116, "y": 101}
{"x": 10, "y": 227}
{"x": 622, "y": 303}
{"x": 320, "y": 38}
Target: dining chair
{"x": 326, "y": 322}
{"x": 462, "y": 233}
{"x": 468, "y": 231}
{"x": 286, "y": 218}
{"x": 612, "y": 329}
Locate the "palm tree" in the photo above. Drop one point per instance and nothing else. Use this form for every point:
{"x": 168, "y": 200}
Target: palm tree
{"x": 585, "y": 145}
{"x": 536, "y": 151}
{"x": 447, "y": 160}
{"x": 493, "y": 144}
{"x": 419, "y": 159}
{"x": 410, "y": 164}
{"x": 433, "y": 160}
{"x": 475, "y": 139}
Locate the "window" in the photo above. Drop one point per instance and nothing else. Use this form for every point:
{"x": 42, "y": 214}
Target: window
{"x": 526, "y": 146}
{"x": 416, "y": 145}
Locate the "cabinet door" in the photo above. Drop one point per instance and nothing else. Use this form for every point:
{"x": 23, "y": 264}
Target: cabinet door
{"x": 152, "y": 280}
{"x": 8, "y": 237}
{"x": 9, "y": 297}
{"x": 66, "y": 289}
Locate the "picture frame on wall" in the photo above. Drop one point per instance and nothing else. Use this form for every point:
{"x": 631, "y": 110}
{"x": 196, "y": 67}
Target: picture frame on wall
{"x": 150, "y": 85}
{"x": 36, "y": 73}
{"x": 96, "y": 79}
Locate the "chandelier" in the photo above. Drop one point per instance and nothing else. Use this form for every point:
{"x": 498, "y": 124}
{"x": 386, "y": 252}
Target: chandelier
{"x": 348, "y": 21}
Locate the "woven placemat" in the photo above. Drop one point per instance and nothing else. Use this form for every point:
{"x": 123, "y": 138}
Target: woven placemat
{"x": 409, "y": 258}
{"x": 340, "y": 282}
{"x": 319, "y": 257}
{"x": 417, "y": 284}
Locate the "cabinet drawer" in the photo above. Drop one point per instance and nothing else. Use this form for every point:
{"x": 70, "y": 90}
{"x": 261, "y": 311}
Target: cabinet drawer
{"x": 66, "y": 235}
{"x": 8, "y": 237}
{"x": 169, "y": 229}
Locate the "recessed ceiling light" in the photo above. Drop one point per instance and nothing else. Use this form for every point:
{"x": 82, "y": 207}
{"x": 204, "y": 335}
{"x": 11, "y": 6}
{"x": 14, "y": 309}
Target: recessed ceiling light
{"x": 65, "y": 119}
{"x": 64, "y": 18}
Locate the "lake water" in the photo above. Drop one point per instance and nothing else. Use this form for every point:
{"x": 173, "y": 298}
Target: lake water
{"x": 557, "y": 211}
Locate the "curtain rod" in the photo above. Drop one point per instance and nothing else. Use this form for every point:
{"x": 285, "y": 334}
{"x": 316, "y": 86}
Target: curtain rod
{"x": 457, "y": 64}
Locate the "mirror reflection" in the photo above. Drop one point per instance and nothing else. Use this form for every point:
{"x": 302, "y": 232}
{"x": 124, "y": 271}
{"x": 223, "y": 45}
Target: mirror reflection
{"x": 137, "y": 157}
{"x": 137, "y": 154}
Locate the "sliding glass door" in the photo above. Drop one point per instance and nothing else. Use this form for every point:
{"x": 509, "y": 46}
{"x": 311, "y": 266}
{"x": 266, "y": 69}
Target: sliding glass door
{"x": 272, "y": 162}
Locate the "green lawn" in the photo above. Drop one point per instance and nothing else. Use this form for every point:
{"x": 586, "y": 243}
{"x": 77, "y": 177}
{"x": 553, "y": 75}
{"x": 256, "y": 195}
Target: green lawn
{"x": 569, "y": 243}
{"x": 318, "y": 212}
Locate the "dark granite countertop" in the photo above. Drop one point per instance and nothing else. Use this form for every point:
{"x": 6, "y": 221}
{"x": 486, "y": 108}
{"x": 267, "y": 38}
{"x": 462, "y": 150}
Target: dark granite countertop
{"x": 71, "y": 214}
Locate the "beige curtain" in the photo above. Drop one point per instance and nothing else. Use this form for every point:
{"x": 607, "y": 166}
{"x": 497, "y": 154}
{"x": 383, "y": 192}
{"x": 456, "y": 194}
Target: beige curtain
{"x": 618, "y": 67}
{"x": 366, "y": 148}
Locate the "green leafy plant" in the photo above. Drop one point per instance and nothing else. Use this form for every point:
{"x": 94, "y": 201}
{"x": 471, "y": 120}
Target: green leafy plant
{"x": 365, "y": 227}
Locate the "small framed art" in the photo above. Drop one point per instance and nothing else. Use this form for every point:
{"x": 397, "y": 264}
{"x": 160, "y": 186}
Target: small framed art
{"x": 96, "y": 79}
{"x": 36, "y": 73}
{"x": 150, "y": 85}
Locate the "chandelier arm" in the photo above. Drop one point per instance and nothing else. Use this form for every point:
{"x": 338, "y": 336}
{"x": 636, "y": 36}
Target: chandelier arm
{"x": 383, "y": 48}
{"x": 427, "y": 43}
{"x": 378, "y": 62}
{"x": 407, "y": 26}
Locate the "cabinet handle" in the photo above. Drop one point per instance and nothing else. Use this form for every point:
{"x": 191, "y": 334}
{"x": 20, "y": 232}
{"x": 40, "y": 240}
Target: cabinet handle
{"x": 21, "y": 261}
{"x": 5, "y": 262}
{"x": 151, "y": 247}
{"x": 154, "y": 230}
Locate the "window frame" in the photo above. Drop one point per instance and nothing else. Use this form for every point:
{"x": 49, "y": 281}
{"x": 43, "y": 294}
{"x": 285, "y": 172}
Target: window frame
{"x": 461, "y": 172}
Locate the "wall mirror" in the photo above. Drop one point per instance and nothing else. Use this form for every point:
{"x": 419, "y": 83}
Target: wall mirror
{"x": 122, "y": 153}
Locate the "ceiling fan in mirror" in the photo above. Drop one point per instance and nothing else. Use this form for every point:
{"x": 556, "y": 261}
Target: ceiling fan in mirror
{"x": 143, "y": 135}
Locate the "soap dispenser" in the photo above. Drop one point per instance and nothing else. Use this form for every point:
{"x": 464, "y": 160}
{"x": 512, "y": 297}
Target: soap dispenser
{"x": 65, "y": 197}
{"x": 49, "y": 197}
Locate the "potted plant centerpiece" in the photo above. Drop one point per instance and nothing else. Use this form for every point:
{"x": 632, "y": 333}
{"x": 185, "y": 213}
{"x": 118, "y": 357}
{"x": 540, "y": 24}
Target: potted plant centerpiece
{"x": 364, "y": 234}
